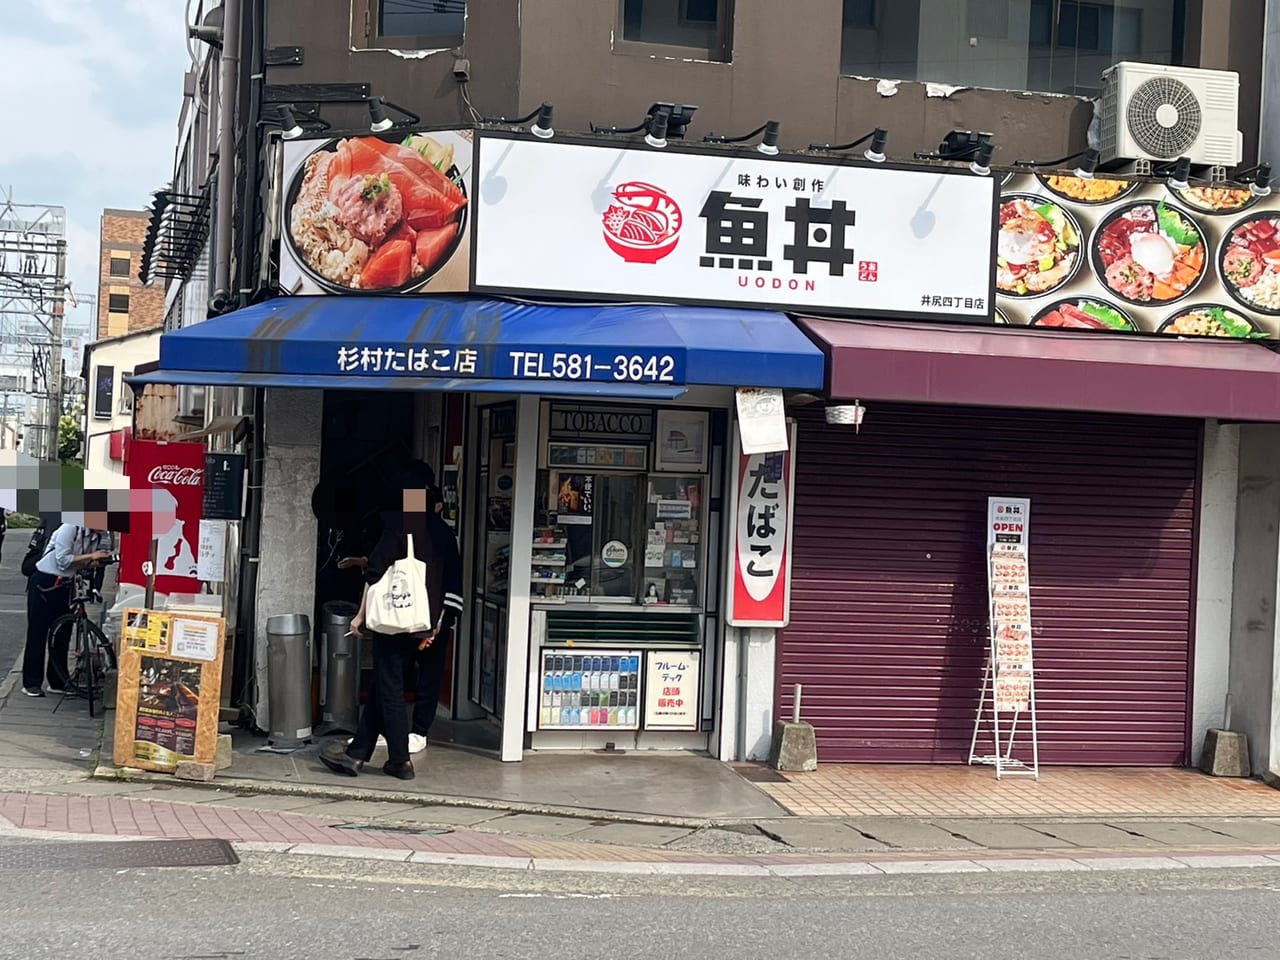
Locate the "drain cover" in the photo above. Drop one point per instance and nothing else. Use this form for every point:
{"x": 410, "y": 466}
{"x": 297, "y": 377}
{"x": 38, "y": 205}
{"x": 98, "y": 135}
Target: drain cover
{"x": 98, "y": 855}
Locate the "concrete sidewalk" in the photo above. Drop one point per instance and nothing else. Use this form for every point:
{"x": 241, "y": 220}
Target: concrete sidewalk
{"x": 407, "y": 836}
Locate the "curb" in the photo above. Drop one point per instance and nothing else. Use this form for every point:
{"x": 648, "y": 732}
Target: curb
{"x": 905, "y": 866}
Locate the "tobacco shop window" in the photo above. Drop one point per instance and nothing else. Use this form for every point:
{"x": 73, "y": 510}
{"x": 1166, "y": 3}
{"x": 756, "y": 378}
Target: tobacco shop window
{"x": 1058, "y": 46}
{"x": 686, "y": 27}
{"x": 118, "y": 303}
{"x": 421, "y": 24}
{"x": 119, "y": 266}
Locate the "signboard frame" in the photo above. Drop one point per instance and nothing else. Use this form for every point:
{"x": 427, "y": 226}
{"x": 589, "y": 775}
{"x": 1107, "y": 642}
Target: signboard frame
{"x": 741, "y": 610}
{"x": 921, "y": 220}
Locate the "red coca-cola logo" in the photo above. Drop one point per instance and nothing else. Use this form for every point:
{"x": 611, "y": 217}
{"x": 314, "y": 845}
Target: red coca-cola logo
{"x": 175, "y": 476}
{"x": 643, "y": 223}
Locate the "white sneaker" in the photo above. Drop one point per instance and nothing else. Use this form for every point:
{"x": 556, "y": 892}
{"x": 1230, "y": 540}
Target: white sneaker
{"x": 382, "y": 741}
{"x": 417, "y": 743}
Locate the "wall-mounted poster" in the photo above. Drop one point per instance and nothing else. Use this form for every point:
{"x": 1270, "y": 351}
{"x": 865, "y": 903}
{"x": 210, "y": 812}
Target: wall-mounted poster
{"x": 104, "y": 385}
{"x": 681, "y": 443}
{"x": 575, "y": 498}
{"x": 377, "y": 214}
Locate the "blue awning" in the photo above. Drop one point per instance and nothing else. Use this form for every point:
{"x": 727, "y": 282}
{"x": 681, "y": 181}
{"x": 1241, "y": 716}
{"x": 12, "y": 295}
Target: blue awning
{"x": 485, "y": 345}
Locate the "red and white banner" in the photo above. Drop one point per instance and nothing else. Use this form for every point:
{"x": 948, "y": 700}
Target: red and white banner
{"x": 176, "y": 472}
{"x": 762, "y": 517}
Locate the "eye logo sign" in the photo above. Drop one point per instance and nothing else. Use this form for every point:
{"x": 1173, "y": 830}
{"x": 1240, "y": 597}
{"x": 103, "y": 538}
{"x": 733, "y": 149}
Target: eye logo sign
{"x": 642, "y": 224}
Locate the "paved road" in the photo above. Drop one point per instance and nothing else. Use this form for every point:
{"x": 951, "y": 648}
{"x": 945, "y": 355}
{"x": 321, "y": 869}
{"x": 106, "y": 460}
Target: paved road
{"x": 324, "y": 909}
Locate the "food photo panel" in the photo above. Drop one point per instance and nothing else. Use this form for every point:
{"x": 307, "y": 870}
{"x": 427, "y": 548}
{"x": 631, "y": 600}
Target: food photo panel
{"x": 1129, "y": 256}
{"x": 377, "y": 214}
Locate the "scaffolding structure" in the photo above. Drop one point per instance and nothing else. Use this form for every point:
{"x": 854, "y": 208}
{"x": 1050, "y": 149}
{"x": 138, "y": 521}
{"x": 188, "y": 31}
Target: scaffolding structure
{"x": 33, "y": 296}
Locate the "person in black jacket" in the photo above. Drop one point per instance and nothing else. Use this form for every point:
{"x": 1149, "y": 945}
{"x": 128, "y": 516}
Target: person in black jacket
{"x": 384, "y": 714}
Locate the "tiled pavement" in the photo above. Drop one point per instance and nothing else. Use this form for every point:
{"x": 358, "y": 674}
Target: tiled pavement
{"x": 884, "y": 790}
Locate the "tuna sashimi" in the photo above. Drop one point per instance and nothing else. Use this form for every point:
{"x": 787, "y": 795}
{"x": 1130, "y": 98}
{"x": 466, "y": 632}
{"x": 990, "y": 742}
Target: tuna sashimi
{"x": 425, "y": 205}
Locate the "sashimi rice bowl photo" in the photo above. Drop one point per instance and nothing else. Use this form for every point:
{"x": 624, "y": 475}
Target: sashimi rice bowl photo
{"x": 1149, "y": 252}
{"x": 1251, "y": 263}
{"x": 1037, "y": 248}
{"x": 369, "y": 214}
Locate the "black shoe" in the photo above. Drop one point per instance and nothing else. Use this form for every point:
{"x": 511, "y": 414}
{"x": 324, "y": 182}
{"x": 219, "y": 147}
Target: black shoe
{"x": 335, "y": 757}
{"x": 401, "y": 771}
{"x": 33, "y": 691}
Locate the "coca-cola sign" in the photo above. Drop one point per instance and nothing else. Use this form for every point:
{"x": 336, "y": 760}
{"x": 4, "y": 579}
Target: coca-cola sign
{"x": 175, "y": 476}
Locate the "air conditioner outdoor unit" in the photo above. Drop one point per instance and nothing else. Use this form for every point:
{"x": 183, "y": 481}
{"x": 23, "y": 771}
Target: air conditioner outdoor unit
{"x": 1154, "y": 112}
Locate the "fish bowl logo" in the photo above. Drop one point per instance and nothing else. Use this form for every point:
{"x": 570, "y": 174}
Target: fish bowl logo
{"x": 642, "y": 224}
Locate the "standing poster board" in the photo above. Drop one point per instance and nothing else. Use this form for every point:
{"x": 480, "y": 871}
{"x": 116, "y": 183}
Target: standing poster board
{"x": 169, "y": 688}
{"x": 1008, "y": 682}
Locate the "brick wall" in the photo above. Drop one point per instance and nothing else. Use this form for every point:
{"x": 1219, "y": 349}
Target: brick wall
{"x": 121, "y": 238}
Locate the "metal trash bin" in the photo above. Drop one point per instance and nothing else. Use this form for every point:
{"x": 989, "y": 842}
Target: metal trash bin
{"x": 339, "y": 668}
{"x": 289, "y": 680}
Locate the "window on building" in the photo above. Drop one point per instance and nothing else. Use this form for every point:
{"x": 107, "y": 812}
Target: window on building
{"x": 426, "y": 22}
{"x": 702, "y": 26}
{"x": 119, "y": 266}
{"x": 1058, "y": 46}
{"x": 118, "y": 303}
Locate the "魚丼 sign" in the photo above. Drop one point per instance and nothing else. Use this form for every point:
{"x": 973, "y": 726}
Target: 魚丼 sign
{"x": 740, "y": 228}
{"x": 762, "y": 499}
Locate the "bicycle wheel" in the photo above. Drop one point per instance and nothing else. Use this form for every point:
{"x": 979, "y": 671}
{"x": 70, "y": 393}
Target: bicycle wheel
{"x": 68, "y": 667}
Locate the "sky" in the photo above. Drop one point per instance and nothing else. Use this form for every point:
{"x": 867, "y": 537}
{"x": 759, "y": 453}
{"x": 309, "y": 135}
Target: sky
{"x": 108, "y": 74}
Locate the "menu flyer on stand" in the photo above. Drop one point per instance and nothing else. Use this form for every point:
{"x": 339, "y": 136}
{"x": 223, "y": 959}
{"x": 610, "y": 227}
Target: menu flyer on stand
{"x": 1009, "y": 586}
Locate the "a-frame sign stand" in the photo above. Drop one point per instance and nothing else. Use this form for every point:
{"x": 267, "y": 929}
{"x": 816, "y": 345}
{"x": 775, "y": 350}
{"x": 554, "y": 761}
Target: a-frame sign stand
{"x": 1008, "y": 699}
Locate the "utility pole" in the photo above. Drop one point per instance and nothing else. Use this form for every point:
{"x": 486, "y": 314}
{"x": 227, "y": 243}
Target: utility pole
{"x": 55, "y": 348}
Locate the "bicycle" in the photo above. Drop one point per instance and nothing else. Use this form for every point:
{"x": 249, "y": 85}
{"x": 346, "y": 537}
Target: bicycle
{"x": 82, "y": 672}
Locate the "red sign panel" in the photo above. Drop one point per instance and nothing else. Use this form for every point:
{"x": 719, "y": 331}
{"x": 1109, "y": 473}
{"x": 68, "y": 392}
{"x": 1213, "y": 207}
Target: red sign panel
{"x": 176, "y": 472}
{"x": 763, "y": 495}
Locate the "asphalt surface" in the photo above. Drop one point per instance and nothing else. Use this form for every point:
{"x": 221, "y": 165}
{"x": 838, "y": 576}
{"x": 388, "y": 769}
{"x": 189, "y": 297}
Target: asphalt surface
{"x": 276, "y": 907}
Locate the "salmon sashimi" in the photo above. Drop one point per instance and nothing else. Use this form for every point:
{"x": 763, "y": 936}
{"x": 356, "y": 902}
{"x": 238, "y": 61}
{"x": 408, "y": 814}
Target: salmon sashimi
{"x": 418, "y": 164}
{"x": 431, "y": 244}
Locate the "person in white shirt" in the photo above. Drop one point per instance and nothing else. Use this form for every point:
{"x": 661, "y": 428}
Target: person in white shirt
{"x": 71, "y": 548}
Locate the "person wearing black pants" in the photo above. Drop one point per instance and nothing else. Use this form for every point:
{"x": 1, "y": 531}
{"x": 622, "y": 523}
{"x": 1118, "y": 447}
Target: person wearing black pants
{"x": 432, "y": 660}
{"x": 385, "y": 712}
{"x": 70, "y": 548}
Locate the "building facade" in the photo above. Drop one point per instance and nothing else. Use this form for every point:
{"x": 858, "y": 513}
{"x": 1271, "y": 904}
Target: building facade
{"x": 1140, "y": 505}
{"x": 125, "y": 303}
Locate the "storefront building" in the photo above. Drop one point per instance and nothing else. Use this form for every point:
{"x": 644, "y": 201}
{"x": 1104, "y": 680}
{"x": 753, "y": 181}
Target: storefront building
{"x": 1139, "y": 456}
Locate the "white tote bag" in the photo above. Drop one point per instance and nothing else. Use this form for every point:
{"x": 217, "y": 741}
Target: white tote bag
{"x": 398, "y": 602}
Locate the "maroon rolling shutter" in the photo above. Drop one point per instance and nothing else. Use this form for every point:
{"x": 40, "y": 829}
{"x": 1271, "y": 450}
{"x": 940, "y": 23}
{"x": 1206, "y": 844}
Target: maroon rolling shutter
{"x": 889, "y": 609}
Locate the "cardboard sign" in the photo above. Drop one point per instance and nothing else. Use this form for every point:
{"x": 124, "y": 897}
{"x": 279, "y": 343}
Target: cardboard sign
{"x": 169, "y": 688}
